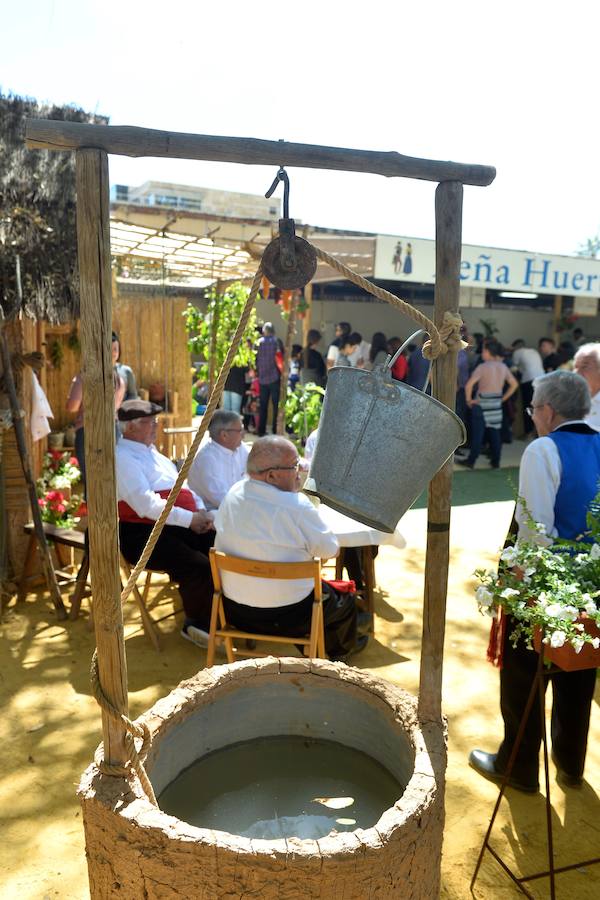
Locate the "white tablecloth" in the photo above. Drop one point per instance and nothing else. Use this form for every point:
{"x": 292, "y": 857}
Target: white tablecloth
{"x": 351, "y": 533}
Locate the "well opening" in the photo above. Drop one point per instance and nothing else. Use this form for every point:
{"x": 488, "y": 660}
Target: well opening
{"x": 251, "y": 700}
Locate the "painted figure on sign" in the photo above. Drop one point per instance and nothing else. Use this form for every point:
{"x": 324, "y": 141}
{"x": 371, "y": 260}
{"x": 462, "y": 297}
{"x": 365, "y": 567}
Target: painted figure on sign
{"x": 408, "y": 260}
{"x": 397, "y": 258}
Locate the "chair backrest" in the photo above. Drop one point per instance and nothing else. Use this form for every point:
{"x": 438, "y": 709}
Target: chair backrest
{"x": 287, "y": 571}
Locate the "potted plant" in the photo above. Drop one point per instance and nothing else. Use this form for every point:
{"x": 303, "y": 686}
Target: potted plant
{"x": 550, "y": 590}
{"x": 303, "y": 407}
{"x": 59, "y": 506}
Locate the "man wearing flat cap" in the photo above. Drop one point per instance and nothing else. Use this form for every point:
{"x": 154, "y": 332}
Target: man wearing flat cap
{"x": 144, "y": 480}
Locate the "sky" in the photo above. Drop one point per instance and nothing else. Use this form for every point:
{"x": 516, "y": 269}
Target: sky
{"x": 496, "y": 82}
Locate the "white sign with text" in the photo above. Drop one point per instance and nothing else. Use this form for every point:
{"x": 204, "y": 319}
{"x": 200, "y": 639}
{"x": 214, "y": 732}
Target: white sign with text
{"x": 413, "y": 259}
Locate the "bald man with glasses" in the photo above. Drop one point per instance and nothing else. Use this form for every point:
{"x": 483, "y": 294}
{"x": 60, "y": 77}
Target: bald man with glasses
{"x": 265, "y": 517}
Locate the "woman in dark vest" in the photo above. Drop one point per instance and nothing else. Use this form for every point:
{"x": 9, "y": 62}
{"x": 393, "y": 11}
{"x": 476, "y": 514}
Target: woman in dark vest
{"x": 558, "y": 480}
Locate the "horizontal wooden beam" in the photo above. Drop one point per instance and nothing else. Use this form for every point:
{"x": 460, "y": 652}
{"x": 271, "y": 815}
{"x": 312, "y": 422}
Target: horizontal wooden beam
{"x": 126, "y": 140}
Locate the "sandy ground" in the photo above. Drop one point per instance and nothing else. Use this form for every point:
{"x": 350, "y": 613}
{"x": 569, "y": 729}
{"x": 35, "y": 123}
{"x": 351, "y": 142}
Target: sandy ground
{"x": 50, "y": 726}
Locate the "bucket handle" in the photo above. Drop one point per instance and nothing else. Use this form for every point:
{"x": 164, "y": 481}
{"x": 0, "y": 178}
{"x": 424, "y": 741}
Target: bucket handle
{"x": 392, "y": 359}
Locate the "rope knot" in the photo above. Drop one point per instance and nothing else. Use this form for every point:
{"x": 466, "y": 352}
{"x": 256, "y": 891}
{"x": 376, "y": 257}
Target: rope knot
{"x": 450, "y": 338}
{"x": 135, "y": 760}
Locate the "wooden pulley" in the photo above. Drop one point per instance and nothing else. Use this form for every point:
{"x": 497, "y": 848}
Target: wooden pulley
{"x": 289, "y": 261}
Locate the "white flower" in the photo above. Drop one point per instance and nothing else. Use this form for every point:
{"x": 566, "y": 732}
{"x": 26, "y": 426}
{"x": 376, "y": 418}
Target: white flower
{"x": 509, "y": 556}
{"x": 571, "y": 613}
{"x": 557, "y": 638}
{"x": 540, "y": 528}
{"x": 595, "y": 551}
{"x": 527, "y": 573}
{"x": 507, "y": 593}
{"x": 543, "y": 599}
{"x": 577, "y": 644}
{"x": 484, "y": 597}
{"x": 578, "y": 626}
{"x": 595, "y": 643}
{"x": 555, "y": 610}
{"x": 590, "y": 608}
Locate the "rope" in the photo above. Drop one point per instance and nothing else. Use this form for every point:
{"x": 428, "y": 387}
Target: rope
{"x": 210, "y": 408}
{"x": 440, "y": 341}
{"x": 135, "y": 757}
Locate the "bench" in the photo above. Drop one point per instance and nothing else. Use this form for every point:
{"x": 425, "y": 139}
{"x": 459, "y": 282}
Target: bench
{"x": 76, "y": 540}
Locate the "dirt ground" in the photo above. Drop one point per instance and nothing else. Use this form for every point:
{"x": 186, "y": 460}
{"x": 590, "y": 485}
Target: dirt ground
{"x": 50, "y": 726}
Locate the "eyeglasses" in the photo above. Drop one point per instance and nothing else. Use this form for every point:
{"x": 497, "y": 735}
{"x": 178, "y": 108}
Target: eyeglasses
{"x": 531, "y": 409}
{"x": 294, "y": 468}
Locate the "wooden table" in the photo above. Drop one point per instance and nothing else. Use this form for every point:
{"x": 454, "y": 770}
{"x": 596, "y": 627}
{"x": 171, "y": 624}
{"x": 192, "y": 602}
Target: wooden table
{"x": 74, "y": 539}
{"x": 351, "y": 533}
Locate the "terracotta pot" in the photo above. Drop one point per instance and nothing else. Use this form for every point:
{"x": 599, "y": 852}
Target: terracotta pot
{"x": 565, "y": 657}
{"x": 156, "y": 393}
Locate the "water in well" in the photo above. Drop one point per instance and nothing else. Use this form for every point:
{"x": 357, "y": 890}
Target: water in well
{"x": 278, "y": 787}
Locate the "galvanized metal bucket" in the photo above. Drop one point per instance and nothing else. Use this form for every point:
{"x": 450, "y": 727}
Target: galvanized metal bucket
{"x": 380, "y": 442}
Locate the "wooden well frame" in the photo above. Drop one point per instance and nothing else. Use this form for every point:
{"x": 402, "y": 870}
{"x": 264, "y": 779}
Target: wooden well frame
{"x": 92, "y": 144}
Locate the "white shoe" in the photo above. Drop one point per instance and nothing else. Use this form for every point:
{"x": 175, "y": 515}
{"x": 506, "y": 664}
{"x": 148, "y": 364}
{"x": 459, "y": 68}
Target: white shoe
{"x": 200, "y": 638}
{"x": 196, "y": 635}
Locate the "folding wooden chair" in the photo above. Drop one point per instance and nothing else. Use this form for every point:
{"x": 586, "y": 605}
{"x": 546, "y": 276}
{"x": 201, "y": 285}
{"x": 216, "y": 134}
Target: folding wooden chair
{"x": 222, "y": 562}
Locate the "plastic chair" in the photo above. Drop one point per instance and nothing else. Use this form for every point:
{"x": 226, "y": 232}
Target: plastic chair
{"x": 222, "y": 562}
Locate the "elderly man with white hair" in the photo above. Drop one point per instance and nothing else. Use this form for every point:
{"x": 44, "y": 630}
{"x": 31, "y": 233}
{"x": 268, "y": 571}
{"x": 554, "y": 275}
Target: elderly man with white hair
{"x": 587, "y": 364}
{"x": 221, "y": 461}
{"x": 265, "y": 518}
{"x": 558, "y": 480}
{"x": 144, "y": 480}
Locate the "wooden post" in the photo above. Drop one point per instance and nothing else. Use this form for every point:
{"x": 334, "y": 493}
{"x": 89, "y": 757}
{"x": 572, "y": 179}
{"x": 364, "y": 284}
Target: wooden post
{"x": 214, "y": 328}
{"x": 93, "y": 241}
{"x": 287, "y": 353}
{"x": 308, "y": 297}
{"x": 17, "y": 417}
{"x": 556, "y": 317}
{"x": 448, "y": 231}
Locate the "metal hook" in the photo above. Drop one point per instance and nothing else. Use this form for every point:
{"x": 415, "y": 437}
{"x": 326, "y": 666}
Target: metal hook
{"x": 282, "y": 175}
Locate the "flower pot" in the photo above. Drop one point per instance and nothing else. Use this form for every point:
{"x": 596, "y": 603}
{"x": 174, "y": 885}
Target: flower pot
{"x": 565, "y": 657}
{"x": 56, "y": 440}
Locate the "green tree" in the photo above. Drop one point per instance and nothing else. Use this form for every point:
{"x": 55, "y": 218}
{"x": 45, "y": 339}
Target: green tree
{"x": 215, "y": 328}
{"x": 590, "y": 247}
{"x": 38, "y": 244}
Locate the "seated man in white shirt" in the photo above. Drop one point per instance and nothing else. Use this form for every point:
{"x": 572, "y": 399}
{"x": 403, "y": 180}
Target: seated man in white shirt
{"x": 265, "y": 518}
{"x": 144, "y": 479}
{"x": 221, "y": 461}
{"x": 587, "y": 364}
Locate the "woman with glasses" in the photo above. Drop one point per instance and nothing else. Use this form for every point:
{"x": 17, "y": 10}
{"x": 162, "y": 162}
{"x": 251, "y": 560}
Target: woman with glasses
{"x": 558, "y": 480}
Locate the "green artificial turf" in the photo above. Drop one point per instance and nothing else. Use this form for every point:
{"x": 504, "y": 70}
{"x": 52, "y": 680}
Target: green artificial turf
{"x": 479, "y": 486}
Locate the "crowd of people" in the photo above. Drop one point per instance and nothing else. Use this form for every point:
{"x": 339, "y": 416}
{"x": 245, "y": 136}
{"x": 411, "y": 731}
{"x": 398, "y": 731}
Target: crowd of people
{"x": 492, "y": 378}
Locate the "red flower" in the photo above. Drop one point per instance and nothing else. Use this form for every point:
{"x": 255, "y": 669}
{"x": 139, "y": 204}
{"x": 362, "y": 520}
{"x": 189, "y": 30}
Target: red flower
{"x": 56, "y": 454}
{"x": 73, "y": 461}
{"x": 60, "y": 507}
{"x": 41, "y": 502}
{"x": 82, "y": 511}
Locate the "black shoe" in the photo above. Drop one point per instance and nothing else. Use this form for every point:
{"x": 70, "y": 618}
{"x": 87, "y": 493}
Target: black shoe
{"x": 574, "y": 781}
{"x": 494, "y": 465}
{"x": 485, "y": 764}
{"x": 361, "y": 642}
{"x": 465, "y": 463}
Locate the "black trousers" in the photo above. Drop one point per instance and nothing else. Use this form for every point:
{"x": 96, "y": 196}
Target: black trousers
{"x": 339, "y": 618}
{"x": 526, "y": 398}
{"x": 184, "y": 555}
{"x": 572, "y": 694}
{"x": 268, "y": 391}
